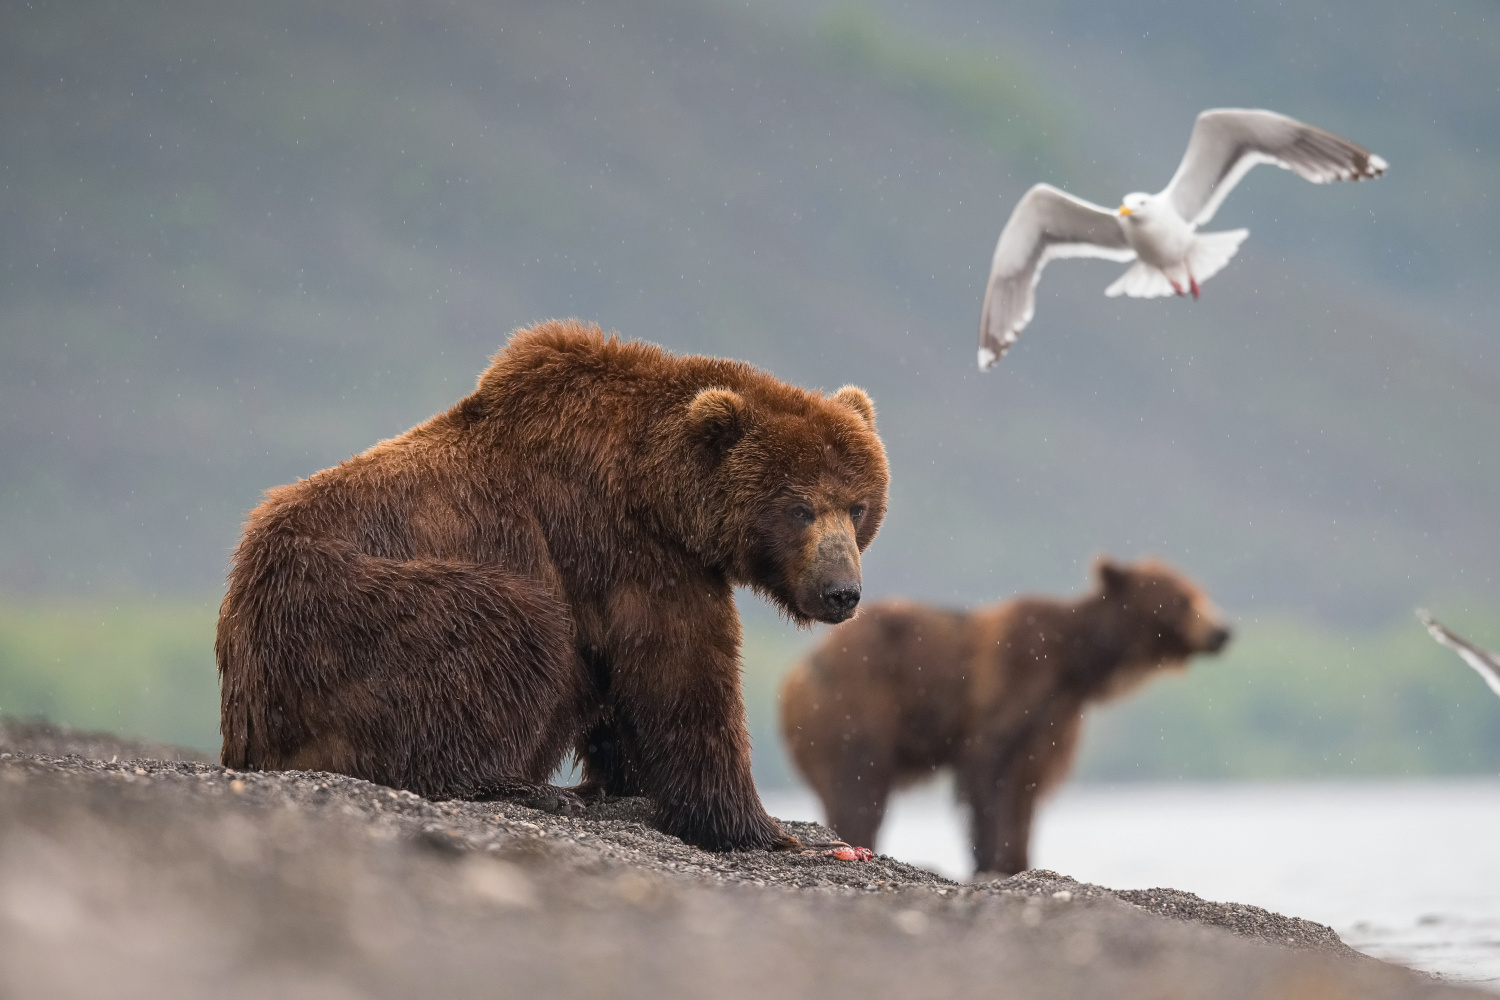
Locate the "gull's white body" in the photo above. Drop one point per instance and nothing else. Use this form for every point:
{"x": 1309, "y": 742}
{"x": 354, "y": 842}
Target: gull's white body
{"x": 1171, "y": 254}
{"x": 1158, "y": 235}
{"x": 1159, "y": 232}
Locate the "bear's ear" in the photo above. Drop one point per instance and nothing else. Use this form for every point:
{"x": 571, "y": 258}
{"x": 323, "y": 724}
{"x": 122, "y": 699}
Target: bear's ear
{"x": 718, "y": 418}
{"x": 857, "y": 400}
{"x": 1112, "y": 576}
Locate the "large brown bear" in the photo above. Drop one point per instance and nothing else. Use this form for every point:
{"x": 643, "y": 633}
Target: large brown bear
{"x": 549, "y": 566}
{"x": 996, "y": 693}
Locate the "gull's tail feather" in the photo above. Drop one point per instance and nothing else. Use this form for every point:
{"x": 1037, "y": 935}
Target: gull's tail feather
{"x": 1211, "y": 251}
{"x": 1206, "y": 258}
{"x": 1141, "y": 281}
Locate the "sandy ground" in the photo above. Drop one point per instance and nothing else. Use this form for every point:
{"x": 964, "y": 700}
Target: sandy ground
{"x": 137, "y": 870}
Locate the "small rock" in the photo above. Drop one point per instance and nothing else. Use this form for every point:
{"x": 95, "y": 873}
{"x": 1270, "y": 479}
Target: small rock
{"x": 1081, "y": 948}
{"x": 913, "y": 922}
{"x": 634, "y": 888}
{"x": 499, "y": 883}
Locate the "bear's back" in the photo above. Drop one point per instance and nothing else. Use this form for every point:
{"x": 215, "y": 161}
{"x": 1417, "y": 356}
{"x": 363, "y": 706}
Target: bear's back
{"x": 418, "y": 495}
{"x": 903, "y": 666}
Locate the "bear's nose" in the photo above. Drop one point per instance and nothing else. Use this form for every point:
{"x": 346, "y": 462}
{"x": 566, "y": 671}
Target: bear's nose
{"x": 1218, "y": 638}
{"x": 840, "y": 596}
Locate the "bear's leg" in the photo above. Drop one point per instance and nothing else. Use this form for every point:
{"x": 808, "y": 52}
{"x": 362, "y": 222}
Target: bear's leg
{"x": 610, "y": 761}
{"x": 1000, "y": 832}
{"x": 1039, "y": 764}
{"x": 607, "y": 747}
{"x": 446, "y": 679}
{"x": 675, "y": 684}
{"x": 862, "y": 781}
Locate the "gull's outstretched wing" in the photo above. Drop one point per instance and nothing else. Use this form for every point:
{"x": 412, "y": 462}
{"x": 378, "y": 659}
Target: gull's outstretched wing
{"x": 1485, "y": 663}
{"x": 1227, "y": 142}
{"x": 1046, "y": 224}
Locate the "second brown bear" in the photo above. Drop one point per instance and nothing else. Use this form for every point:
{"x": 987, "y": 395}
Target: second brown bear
{"x": 997, "y": 694}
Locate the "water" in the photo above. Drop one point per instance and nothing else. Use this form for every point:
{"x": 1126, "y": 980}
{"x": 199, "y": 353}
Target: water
{"x": 1406, "y": 871}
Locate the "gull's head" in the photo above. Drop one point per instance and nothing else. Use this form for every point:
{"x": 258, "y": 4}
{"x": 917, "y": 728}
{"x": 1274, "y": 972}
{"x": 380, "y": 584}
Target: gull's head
{"x": 1134, "y": 202}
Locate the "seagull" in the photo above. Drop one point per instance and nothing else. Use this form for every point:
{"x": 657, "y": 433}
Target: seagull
{"x": 1486, "y": 663}
{"x": 1157, "y": 231}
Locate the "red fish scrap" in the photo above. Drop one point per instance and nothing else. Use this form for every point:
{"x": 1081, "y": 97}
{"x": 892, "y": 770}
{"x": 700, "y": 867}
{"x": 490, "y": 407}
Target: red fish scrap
{"x": 850, "y": 854}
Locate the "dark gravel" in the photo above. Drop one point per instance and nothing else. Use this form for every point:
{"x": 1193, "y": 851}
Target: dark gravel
{"x": 125, "y": 875}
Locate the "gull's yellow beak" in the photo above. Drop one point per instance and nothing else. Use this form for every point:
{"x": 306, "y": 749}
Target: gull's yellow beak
{"x": 1123, "y": 210}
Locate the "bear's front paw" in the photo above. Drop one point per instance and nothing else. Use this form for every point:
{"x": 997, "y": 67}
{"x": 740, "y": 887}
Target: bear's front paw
{"x": 532, "y": 794}
{"x": 590, "y": 792}
{"x": 553, "y": 799}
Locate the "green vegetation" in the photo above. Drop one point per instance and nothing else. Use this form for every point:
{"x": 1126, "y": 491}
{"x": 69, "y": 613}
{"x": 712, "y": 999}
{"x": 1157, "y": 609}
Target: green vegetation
{"x": 771, "y": 646}
{"x": 135, "y": 667}
{"x": 1295, "y": 700}
{"x": 1289, "y": 700}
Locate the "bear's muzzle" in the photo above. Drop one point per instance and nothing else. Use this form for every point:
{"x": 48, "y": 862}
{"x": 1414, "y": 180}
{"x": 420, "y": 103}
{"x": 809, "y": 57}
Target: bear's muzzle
{"x": 1217, "y": 638}
{"x": 832, "y": 576}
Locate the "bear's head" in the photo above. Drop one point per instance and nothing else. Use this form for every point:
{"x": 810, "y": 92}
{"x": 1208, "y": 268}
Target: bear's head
{"x": 1164, "y": 619}
{"x": 800, "y": 483}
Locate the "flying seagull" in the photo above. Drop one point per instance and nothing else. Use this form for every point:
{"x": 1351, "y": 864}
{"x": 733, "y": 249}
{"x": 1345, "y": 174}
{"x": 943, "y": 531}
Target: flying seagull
{"x": 1486, "y": 663}
{"x": 1157, "y": 231}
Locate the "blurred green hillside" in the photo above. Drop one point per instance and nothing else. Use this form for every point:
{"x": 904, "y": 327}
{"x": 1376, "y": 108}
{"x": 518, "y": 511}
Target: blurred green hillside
{"x": 1288, "y": 700}
{"x": 134, "y": 667}
{"x": 238, "y": 244}
{"x": 1292, "y": 699}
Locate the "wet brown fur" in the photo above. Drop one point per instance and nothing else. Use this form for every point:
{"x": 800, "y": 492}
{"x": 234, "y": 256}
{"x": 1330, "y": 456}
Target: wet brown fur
{"x": 996, "y": 693}
{"x": 548, "y": 566}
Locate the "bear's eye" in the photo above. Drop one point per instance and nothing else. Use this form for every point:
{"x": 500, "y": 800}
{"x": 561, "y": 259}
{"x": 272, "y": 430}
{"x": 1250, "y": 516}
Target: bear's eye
{"x": 856, "y": 511}
{"x": 802, "y": 514}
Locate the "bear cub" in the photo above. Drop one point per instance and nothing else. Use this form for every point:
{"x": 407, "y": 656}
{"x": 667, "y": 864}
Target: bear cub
{"x": 996, "y": 693}
{"x": 549, "y": 567}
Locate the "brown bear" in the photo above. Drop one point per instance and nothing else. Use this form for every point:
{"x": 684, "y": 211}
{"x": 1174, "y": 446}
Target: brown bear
{"x": 996, "y": 693}
{"x": 549, "y": 565}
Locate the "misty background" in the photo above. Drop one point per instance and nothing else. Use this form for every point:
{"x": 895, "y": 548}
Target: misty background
{"x": 239, "y": 243}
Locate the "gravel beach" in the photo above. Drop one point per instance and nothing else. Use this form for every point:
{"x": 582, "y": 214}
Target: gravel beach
{"x": 138, "y": 870}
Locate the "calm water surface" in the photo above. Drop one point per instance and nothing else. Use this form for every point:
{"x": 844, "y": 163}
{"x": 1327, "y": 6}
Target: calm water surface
{"x": 1405, "y": 871}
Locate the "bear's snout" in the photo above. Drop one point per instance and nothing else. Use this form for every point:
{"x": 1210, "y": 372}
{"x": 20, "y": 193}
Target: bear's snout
{"x": 831, "y": 581}
{"x": 841, "y": 597}
{"x": 1217, "y": 638}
